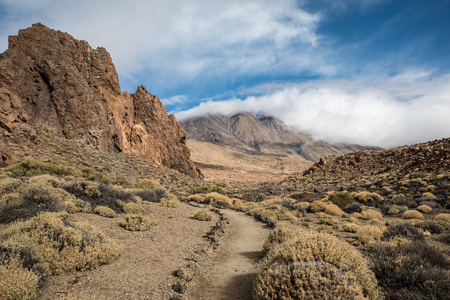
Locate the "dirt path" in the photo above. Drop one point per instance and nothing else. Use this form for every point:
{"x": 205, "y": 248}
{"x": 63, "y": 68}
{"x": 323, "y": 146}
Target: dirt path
{"x": 230, "y": 273}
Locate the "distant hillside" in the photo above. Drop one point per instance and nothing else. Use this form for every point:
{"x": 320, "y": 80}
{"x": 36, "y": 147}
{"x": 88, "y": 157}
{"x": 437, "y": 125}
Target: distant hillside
{"x": 426, "y": 157}
{"x": 261, "y": 135}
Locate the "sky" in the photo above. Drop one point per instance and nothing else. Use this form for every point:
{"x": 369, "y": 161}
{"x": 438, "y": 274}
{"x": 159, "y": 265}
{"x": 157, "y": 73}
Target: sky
{"x": 371, "y": 72}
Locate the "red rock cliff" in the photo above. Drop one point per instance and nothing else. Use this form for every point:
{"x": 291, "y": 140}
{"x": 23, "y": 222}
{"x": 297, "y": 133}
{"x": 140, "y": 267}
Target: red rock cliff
{"x": 50, "y": 81}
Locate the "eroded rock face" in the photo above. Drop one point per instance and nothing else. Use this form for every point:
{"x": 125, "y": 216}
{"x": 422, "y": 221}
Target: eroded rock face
{"x": 51, "y": 82}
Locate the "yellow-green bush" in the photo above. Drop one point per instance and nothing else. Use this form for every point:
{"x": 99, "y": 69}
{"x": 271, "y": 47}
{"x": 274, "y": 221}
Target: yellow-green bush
{"x": 429, "y": 195}
{"x": 369, "y": 234}
{"x": 341, "y": 199}
{"x": 424, "y": 209}
{"x": 60, "y": 246}
{"x": 364, "y": 197}
{"x": 413, "y": 214}
{"x": 132, "y": 208}
{"x": 105, "y": 211}
{"x": 280, "y": 234}
{"x": 35, "y": 167}
{"x": 202, "y": 215}
{"x": 218, "y": 200}
{"x": 350, "y": 227}
{"x": 443, "y": 217}
{"x": 137, "y": 223}
{"x": 16, "y": 282}
{"x": 393, "y": 211}
{"x": 172, "y": 202}
{"x": 371, "y": 214}
{"x": 317, "y": 206}
{"x": 307, "y": 247}
{"x": 333, "y": 210}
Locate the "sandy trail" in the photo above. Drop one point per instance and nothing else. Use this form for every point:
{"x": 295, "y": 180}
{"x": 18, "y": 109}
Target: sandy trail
{"x": 230, "y": 273}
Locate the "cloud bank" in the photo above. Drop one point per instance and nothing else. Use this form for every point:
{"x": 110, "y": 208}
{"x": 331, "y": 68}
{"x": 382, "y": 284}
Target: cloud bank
{"x": 178, "y": 41}
{"x": 405, "y": 109}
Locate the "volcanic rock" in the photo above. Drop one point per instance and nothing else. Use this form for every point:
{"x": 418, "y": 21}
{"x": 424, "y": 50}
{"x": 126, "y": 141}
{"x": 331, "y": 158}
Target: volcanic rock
{"x": 51, "y": 82}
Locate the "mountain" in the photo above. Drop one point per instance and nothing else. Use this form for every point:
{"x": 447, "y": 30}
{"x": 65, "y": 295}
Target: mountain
{"x": 261, "y": 135}
{"x": 53, "y": 83}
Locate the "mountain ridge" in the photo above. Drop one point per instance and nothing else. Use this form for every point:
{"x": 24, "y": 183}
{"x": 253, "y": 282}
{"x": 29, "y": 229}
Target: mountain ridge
{"x": 261, "y": 134}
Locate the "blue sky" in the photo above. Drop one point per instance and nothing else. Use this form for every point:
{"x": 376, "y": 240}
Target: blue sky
{"x": 363, "y": 71}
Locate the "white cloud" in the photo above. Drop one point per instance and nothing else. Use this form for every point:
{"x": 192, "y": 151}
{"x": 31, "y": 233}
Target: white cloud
{"x": 181, "y": 40}
{"x": 394, "y": 111}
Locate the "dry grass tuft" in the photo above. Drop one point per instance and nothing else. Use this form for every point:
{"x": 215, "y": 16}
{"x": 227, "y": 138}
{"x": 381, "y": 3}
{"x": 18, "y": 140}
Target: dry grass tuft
{"x": 371, "y": 214}
{"x": 413, "y": 214}
{"x": 369, "y": 234}
{"x": 202, "y": 215}
{"x": 16, "y": 282}
{"x": 350, "y": 227}
{"x": 105, "y": 212}
{"x": 317, "y": 206}
{"x": 333, "y": 210}
{"x": 131, "y": 208}
{"x": 137, "y": 223}
{"x": 424, "y": 209}
{"x": 442, "y": 217}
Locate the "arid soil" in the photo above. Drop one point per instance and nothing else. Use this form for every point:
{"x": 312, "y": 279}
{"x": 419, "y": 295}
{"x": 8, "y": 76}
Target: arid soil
{"x": 144, "y": 270}
{"x": 223, "y": 164}
{"x": 230, "y": 273}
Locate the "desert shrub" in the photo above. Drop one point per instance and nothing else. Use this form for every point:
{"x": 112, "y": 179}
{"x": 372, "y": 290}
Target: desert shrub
{"x": 93, "y": 175}
{"x": 218, "y": 200}
{"x": 16, "y": 282}
{"x": 393, "y": 211}
{"x": 306, "y": 280}
{"x": 371, "y": 214}
{"x": 172, "y": 202}
{"x": 280, "y": 234}
{"x": 410, "y": 270}
{"x": 305, "y": 196}
{"x": 399, "y": 199}
{"x": 204, "y": 189}
{"x": 33, "y": 200}
{"x": 99, "y": 194}
{"x": 424, "y": 209}
{"x": 9, "y": 185}
{"x": 368, "y": 198}
{"x": 341, "y": 199}
{"x": 153, "y": 195}
{"x": 317, "y": 206}
{"x": 431, "y": 227}
{"x": 443, "y": 217}
{"x": 312, "y": 247}
{"x": 417, "y": 174}
{"x": 35, "y": 167}
{"x": 445, "y": 238}
{"x": 105, "y": 212}
{"x": 202, "y": 215}
{"x": 137, "y": 223}
{"x": 333, "y": 210}
{"x": 429, "y": 195}
{"x": 403, "y": 230}
{"x": 254, "y": 197}
{"x": 301, "y": 205}
{"x": 413, "y": 214}
{"x": 369, "y": 234}
{"x": 58, "y": 245}
{"x": 350, "y": 227}
{"x": 352, "y": 207}
{"x": 132, "y": 208}
{"x": 238, "y": 204}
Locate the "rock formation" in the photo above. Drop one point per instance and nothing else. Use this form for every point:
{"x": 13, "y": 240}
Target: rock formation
{"x": 51, "y": 82}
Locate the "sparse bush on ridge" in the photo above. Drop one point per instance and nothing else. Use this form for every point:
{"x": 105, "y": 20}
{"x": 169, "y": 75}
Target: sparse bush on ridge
{"x": 35, "y": 167}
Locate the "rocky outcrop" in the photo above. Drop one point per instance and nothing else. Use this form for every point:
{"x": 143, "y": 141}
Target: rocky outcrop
{"x": 51, "y": 82}
{"x": 427, "y": 157}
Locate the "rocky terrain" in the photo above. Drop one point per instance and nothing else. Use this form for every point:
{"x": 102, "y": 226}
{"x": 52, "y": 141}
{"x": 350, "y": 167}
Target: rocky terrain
{"x": 50, "y": 82}
{"x": 261, "y": 135}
